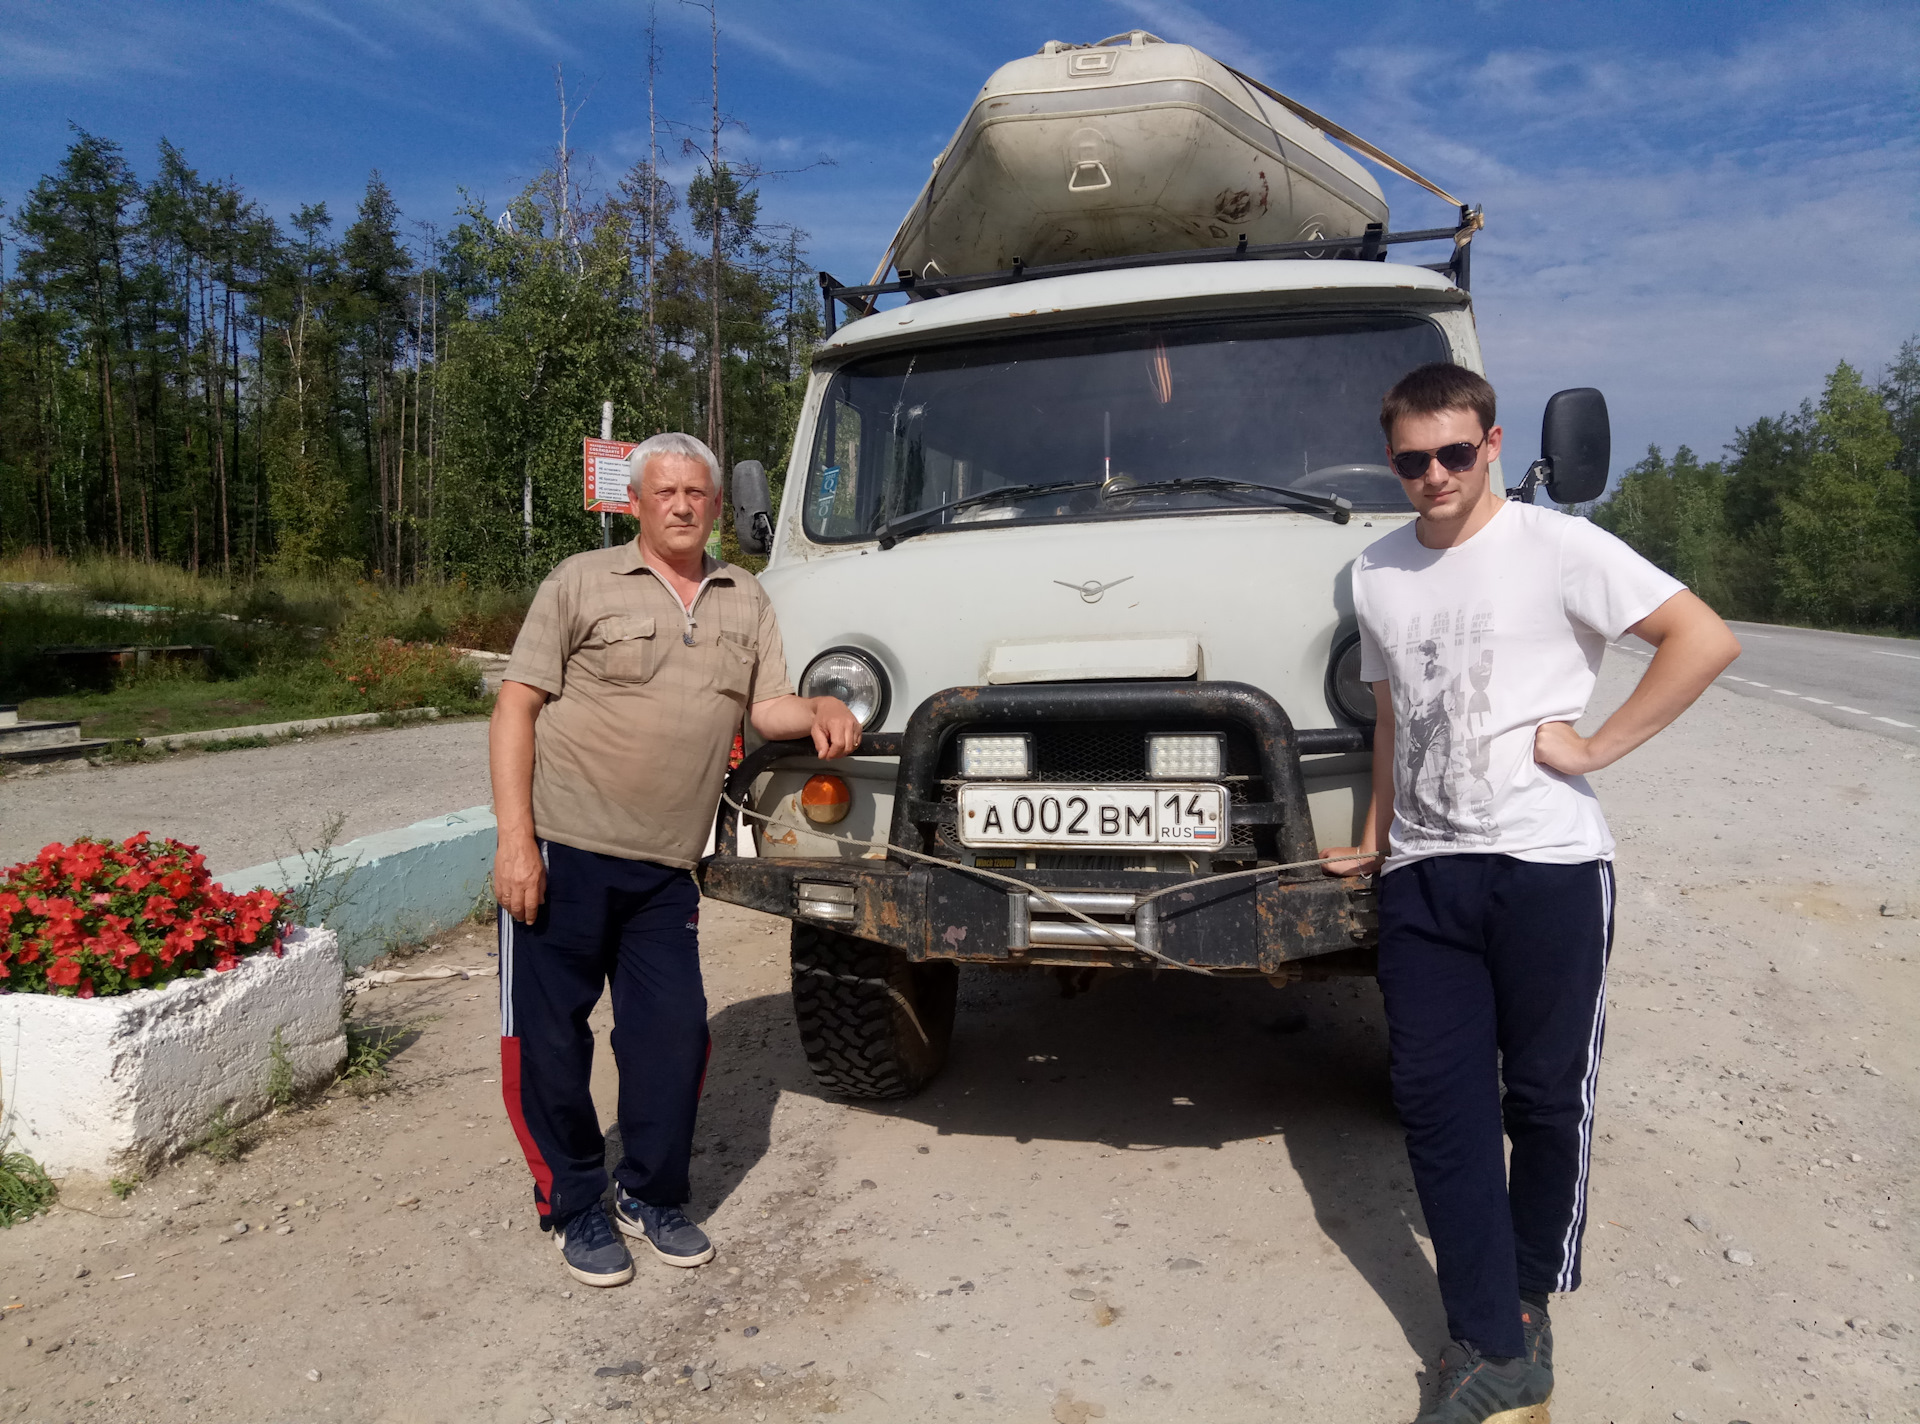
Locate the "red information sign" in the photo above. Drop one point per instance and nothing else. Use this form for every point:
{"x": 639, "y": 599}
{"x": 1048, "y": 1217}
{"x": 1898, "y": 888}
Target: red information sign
{"x": 605, "y": 464}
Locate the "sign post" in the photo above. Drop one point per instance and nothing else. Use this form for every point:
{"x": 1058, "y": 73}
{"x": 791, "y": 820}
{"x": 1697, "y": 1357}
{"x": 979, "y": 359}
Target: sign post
{"x": 606, "y": 433}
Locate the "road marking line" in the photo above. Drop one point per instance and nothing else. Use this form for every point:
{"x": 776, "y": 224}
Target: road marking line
{"x": 1732, "y": 678}
{"x": 1857, "y": 711}
{"x": 1821, "y": 700}
{"x": 1891, "y": 723}
{"x": 1881, "y": 652}
{"x": 1756, "y": 684}
{"x": 1784, "y": 693}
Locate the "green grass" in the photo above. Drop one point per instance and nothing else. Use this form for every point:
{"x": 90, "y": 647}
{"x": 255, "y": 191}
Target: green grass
{"x": 279, "y": 1073}
{"x": 147, "y": 707}
{"x": 262, "y": 664}
{"x": 224, "y": 1141}
{"x": 457, "y": 613}
{"x": 370, "y": 1048}
{"x": 25, "y": 1189}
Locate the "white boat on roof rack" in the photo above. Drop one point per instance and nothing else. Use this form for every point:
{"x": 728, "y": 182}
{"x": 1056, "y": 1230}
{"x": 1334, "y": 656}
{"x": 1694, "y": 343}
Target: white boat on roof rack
{"x": 1132, "y": 145}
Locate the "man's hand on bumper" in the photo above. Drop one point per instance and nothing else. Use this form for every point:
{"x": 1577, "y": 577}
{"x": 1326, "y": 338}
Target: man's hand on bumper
{"x": 1349, "y": 860}
{"x": 836, "y": 731}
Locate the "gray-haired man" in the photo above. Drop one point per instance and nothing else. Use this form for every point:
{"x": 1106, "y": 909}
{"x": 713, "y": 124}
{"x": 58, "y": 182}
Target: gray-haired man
{"x": 609, "y": 745}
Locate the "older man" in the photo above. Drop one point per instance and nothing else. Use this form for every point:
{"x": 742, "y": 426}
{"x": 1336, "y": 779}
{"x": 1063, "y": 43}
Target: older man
{"x": 609, "y": 746}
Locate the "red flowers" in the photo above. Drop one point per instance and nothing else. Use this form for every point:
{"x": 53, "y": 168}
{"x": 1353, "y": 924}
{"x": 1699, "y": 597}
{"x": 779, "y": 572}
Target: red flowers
{"x": 95, "y": 918}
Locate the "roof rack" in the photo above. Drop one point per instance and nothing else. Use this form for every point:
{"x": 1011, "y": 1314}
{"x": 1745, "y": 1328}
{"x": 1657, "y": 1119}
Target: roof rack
{"x": 1371, "y": 246}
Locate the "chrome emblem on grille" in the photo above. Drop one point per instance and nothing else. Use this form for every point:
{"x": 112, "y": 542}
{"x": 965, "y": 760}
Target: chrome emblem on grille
{"x": 1092, "y": 590}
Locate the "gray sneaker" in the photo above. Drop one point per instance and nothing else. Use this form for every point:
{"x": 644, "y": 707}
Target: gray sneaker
{"x": 594, "y": 1252}
{"x": 1476, "y": 1390}
{"x": 1536, "y": 1330}
{"x": 674, "y": 1239}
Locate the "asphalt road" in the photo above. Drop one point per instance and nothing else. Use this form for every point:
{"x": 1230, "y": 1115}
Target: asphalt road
{"x": 246, "y": 807}
{"x": 1869, "y": 684}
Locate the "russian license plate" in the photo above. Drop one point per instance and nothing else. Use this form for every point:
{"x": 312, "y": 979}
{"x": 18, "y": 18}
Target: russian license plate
{"x": 1118, "y": 816}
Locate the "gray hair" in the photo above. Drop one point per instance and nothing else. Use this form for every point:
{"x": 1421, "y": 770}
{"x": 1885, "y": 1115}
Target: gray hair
{"x": 672, "y": 443}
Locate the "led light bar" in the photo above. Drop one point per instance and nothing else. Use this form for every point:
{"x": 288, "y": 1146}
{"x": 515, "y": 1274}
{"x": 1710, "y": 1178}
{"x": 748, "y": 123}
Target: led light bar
{"x": 996, "y": 758}
{"x": 1186, "y": 758}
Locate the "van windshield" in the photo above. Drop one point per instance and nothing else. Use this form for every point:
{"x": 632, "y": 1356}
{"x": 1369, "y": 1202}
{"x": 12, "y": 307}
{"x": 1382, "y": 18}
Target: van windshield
{"x": 1083, "y": 425}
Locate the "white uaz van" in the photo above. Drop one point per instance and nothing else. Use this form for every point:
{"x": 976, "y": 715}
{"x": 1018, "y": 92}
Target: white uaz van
{"x": 1076, "y": 545}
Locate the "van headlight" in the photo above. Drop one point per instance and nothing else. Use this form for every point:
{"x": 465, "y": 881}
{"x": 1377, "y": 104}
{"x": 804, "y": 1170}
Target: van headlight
{"x": 852, "y": 676}
{"x": 1349, "y": 696}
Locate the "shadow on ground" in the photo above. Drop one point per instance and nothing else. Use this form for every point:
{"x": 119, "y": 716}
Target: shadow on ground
{"x": 1143, "y": 1063}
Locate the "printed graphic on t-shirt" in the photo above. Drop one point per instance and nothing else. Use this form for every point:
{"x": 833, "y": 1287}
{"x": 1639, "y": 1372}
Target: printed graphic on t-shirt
{"x": 1446, "y": 681}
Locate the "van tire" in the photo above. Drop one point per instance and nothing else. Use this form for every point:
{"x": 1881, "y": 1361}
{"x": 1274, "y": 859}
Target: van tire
{"x": 873, "y": 1024}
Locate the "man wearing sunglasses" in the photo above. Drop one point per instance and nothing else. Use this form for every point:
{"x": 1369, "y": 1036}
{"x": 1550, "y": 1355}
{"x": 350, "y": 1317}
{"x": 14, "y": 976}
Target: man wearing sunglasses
{"x": 1496, "y": 888}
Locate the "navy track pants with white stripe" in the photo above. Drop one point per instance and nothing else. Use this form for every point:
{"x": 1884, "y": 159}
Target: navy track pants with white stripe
{"x": 1495, "y": 970}
{"x": 635, "y": 925}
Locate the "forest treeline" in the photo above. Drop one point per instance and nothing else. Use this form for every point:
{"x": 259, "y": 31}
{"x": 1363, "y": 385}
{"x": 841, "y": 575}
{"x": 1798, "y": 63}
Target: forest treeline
{"x": 185, "y": 379}
{"x": 1812, "y": 517}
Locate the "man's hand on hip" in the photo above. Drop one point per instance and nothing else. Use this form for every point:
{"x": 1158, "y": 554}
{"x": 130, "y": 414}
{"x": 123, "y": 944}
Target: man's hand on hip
{"x": 519, "y": 877}
{"x": 1558, "y": 746}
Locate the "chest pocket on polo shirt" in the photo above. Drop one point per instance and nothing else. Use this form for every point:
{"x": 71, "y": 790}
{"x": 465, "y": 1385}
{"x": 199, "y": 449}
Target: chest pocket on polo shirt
{"x": 629, "y": 652}
{"x": 733, "y": 666}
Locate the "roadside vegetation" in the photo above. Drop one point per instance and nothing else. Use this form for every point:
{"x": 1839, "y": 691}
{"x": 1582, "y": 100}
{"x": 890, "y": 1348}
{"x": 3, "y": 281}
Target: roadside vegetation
{"x": 1812, "y": 518}
{"x": 25, "y": 1189}
{"x": 262, "y": 650}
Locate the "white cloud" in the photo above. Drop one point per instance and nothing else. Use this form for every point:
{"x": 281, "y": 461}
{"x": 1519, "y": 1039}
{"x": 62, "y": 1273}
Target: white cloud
{"x": 61, "y": 46}
{"x": 318, "y": 14}
{"x": 1702, "y": 235}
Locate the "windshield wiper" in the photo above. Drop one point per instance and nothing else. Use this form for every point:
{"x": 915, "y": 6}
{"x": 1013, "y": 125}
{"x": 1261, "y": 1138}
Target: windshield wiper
{"x": 906, "y": 525}
{"x": 1340, "y": 509}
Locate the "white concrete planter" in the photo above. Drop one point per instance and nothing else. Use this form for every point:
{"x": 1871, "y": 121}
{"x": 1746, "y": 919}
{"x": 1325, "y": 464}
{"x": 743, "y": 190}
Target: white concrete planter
{"x": 120, "y": 1084}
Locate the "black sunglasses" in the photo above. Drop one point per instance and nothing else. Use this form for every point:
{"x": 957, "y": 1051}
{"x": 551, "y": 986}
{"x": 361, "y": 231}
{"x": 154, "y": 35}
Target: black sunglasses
{"x": 1457, "y": 457}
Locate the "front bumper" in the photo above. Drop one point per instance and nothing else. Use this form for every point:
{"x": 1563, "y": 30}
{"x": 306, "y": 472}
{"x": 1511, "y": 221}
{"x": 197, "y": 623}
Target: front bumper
{"x": 1281, "y": 923}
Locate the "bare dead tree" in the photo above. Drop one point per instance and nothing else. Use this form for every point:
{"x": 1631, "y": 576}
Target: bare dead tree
{"x": 653, "y": 184}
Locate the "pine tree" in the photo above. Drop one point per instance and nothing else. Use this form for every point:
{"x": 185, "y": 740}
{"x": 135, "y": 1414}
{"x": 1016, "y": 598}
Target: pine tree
{"x": 1847, "y": 533}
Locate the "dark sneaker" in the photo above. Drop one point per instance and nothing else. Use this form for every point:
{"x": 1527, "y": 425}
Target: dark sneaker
{"x": 1537, "y": 1331}
{"x": 674, "y": 1239}
{"x": 594, "y": 1252}
{"x": 1476, "y": 1390}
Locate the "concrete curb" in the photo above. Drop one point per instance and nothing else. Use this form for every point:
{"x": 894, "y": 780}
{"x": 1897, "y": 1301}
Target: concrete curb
{"x": 391, "y": 887}
{"x": 284, "y": 729}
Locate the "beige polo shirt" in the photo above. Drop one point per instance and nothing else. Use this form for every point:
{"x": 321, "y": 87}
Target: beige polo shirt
{"x": 630, "y": 752}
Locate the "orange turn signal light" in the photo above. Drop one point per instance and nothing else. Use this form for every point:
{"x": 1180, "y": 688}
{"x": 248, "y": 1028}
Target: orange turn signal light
{"x": 825, "y": 800}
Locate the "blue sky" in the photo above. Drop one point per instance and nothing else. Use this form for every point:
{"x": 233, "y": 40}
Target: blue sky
{"x": 1699, "y": 208}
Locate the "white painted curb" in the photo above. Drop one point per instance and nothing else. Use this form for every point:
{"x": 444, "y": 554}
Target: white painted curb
{"x": 393, "y": 887}
{"x": 118, "y": 1085}
{"x": 171, "y": 740}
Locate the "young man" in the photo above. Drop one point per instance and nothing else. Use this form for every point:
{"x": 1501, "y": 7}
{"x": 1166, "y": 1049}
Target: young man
{"x": 1496, "y": 888}
{"x": 609, "y": 746}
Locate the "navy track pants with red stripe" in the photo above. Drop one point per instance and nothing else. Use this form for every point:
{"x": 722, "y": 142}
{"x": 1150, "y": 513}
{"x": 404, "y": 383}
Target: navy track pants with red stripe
{"x": 1494, "y": 975}
{"x": 634, "y": 925}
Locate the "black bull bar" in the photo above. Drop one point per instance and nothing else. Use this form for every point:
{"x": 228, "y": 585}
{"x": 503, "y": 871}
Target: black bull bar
{"x": 1282, "y": 923}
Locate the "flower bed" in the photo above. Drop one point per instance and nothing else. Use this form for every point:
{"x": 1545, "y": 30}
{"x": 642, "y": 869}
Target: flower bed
{"x": 141, "y": 1003}
{"x": 94, "y": 918}
{"x": 116, "y": 1085}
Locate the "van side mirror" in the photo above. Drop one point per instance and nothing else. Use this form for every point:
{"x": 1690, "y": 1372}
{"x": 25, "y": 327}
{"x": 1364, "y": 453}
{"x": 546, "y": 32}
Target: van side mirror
{"x": 752, "y": 513}
{"x": 1576, "y": 446}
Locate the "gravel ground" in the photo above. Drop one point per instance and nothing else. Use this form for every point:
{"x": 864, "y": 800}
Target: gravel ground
{"x": 245, "y": 807}
{"x": 1168, "y": 1200}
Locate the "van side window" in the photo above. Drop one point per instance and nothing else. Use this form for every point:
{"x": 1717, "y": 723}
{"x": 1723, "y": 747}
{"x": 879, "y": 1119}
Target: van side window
{"x": 833, "y": 486}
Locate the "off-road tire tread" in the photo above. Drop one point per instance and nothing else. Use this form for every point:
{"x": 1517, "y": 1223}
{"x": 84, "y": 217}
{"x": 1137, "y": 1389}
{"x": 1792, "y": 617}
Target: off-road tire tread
{"x": 858, "y": 1040}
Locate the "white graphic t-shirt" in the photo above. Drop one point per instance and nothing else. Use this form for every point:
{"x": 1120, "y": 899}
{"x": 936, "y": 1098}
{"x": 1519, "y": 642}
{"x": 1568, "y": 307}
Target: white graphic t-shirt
{"x": 1481, "y": 644}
